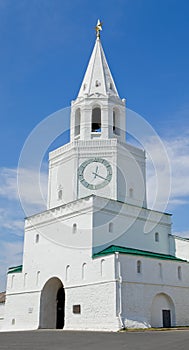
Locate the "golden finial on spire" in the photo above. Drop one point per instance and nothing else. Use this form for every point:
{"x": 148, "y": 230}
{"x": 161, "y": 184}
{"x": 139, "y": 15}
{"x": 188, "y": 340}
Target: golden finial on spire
{"x": 98, "y": 28}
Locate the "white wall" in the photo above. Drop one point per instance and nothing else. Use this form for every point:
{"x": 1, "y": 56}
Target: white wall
{"x": 139, "y": 291}
{"x": 2, "y": 310}
{"x": 129, "y": 227}
{"x": 181, "y": 246}
{"x": 98, "y": 307}
{"x": 62, "y": 175}
{"x": 93, "y": 285}
{"x": 131, "y": 175}
{"x": 51, "y": 259}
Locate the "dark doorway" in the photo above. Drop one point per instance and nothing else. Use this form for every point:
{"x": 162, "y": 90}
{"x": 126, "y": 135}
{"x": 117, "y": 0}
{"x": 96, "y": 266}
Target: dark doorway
{"x": 60, "y": 308}
{"x": 166, "y": 318}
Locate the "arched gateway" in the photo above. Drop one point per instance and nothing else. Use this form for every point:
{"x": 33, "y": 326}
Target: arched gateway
{"x": 162, "y": 311}
{"x": 52, "y": 304}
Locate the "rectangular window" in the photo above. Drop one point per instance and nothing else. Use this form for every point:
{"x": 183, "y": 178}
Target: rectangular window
{"x": 76, "y": 309}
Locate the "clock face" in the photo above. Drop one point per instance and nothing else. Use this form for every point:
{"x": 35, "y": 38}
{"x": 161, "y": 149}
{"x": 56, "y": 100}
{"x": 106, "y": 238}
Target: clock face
{"x": 95, "y": 173}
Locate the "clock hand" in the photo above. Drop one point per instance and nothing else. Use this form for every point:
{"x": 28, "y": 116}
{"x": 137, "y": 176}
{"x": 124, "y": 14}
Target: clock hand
{"x": 99, "y": 176}
{"x": 95, "y": 174}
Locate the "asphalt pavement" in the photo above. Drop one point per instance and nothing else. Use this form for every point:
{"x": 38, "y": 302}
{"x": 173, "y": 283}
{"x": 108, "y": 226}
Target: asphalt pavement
{"x": 68, "y": 340}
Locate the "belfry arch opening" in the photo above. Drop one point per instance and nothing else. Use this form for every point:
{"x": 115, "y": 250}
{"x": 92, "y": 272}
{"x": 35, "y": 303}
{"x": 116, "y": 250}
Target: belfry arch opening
{"x": 96, "y": 120}
{"x": 52, "y": 305}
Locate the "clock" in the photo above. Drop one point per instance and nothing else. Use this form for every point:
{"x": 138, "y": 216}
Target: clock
{"x": 95, "y": 173}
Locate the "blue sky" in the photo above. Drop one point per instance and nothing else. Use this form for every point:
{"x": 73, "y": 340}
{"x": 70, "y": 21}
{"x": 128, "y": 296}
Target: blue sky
{"x": 44, "y": 49}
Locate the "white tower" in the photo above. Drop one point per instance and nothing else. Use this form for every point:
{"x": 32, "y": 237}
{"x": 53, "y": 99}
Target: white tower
{"x": 91, "y": 264}
{"x": 97, "y": 159}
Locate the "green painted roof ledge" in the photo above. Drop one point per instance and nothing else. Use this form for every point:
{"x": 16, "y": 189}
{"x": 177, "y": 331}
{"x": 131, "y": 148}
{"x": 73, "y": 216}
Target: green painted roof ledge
{"x": 15, "y": 269}
{"x": 123, "y": 250}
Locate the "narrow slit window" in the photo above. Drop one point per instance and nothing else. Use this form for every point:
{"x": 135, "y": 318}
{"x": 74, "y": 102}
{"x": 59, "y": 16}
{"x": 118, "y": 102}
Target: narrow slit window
{"x": 67, "y": 272}
{"x": 84, "y": 267}
{"x": 139, "y": 266}
{"x": 131, "y": 192}
{"x": 37, "y": 278}
{"x": 102, "y": 267}
{"x": 25, "y": 279}
{"x": 12, "y": 281}
{"x": 37, "y": 238}
{"x": 74, "y": 228}
{"x": 179, "y": 273}
{"x": 111, "y": 226}
{"x": 157, "y": 237}
{"x": 160, "y": 271}
{"x": 60, "y": 193}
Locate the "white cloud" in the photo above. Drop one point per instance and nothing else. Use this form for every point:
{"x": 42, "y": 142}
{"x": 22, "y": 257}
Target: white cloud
{"x": 8, "y": 186}
{"x": 178, "y": 151}
{"x": 15, "y": 226}
{"x": 32, "y": 187}
{"x": 9, "y": 222}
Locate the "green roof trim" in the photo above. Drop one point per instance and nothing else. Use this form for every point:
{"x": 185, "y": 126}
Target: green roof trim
{"x": 123, "y": 250}
{"x": 15, "y": 269}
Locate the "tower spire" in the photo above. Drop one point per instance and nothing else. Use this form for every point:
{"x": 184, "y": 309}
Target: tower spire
{"x": 98, "y": 80}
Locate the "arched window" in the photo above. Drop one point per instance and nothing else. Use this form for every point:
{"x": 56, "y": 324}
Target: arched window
{"x": 116, "y": 126}
{"x": 83, "y": 274}
{"x": 139, "y": 266}
{"x": 179, "y": 273}
{"x": 74, "y": 228}
{"x": 102, "y": 267}
{"x": 96, "y": 120}
{"x": 131, "y": 192}
{"x": 37, "y": 238}
{"x": 77, "y": 122}
{"x": 157, "y": 237}
{"x": 111, "y": 227}
{"x": 67, "y": 272}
